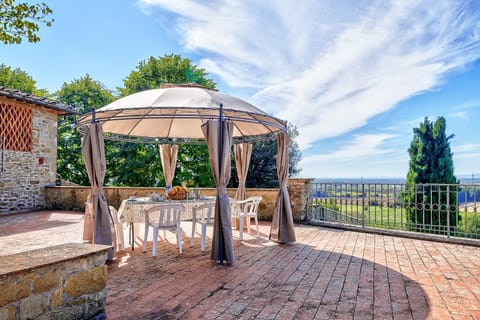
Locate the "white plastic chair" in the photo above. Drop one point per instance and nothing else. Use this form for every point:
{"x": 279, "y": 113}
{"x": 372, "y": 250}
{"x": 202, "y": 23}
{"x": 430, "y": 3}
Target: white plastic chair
{"x": 163, "y": 217}
{"x": 204, "y": 215}
{"x": 246, "y": 210}
{"x": 120, "y": 240}
{"x": 89, "y": 223}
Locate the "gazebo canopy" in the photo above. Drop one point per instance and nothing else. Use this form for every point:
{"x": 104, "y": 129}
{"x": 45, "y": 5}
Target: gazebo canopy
{"x": 192, "y": 112}
{"x": 178, "y": 112}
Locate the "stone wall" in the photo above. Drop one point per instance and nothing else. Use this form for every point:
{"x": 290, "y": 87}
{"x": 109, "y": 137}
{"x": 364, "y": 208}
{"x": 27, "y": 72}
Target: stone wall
{"x": 22, "y": 184}
{"x": 74, "y": 197}
{"x": 299, "y": 189}
{"x": 61, "y": 282}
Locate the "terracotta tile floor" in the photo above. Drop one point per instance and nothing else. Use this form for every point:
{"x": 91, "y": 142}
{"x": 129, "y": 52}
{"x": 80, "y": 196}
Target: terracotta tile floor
{"x": 326, "y": 274}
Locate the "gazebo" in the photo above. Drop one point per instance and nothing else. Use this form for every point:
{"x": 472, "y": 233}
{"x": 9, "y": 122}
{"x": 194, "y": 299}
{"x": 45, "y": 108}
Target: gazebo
{"x": 189, "y": 113}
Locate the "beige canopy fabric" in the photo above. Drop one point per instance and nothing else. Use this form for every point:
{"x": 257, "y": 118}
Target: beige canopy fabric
{"x": 219, "y": 154}
{"x": 243, "y": 153}
{"x": 282, "y": 229}
{"x": 178, "y": 112}
{"x": 94, "y": 157}
{"x": 168, "y": 156}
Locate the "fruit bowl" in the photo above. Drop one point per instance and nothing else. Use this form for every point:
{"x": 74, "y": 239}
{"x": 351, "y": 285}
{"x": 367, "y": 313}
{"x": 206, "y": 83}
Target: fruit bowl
{"x": 178, "y": 193}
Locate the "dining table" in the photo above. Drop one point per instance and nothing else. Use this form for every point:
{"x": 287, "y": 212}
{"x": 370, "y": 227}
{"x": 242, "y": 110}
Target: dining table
{"x": 132, "y": 210}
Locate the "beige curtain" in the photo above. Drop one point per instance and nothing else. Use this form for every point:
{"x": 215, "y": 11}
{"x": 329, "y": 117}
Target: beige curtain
{"x": 222, "y": 242}
{"x": 282, "y": 221}
{"x": 93, "y": 152}
{"x": 168, "y": 156}
{"x": 243, "y": 153}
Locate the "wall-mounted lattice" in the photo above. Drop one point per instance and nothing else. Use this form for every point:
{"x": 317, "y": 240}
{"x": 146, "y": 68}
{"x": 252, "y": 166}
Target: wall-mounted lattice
{"x": 16, "y": 127}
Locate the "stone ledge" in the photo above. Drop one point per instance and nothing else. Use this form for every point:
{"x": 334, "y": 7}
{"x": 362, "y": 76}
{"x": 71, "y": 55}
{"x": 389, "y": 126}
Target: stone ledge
{"x": 30, "y": 260}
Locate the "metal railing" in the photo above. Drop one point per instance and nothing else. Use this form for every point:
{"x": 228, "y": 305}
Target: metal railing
{"x": 452, "y": 210}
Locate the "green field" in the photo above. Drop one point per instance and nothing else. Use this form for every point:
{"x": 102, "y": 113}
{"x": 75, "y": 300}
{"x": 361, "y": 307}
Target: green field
{"x": 391, "y": 218}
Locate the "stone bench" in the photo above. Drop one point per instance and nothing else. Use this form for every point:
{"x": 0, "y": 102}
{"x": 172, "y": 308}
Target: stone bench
{"x": 67, "y": 281}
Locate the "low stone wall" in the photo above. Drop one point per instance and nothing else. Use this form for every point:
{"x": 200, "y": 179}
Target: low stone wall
{"x": 61, "y": 282}
{"x": 74, "y": 197}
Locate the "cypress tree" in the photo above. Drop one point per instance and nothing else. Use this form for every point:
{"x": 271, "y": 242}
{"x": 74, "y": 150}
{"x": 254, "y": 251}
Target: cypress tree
{"x": 430, "y": 196}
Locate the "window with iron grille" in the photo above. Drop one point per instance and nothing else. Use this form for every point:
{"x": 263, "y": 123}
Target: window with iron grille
{"x": 16, "y": 127}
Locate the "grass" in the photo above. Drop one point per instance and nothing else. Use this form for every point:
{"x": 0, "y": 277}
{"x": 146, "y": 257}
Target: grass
{"x": 395, "y": 218}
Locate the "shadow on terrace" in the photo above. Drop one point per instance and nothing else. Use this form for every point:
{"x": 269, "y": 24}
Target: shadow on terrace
{"x": 327, "y": 273}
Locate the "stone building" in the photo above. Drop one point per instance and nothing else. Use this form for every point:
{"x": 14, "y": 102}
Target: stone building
{"x": 28, "y": 148}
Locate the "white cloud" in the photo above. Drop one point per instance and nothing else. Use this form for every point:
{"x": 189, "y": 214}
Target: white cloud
{"x": 467, "y": 105}
{"x": 467, "y": 150}
{"x": 367, "y": 154}
{"x": 360, "y": 146}
{"x": 459, "y": 115}
{"x": 328, "y": 67}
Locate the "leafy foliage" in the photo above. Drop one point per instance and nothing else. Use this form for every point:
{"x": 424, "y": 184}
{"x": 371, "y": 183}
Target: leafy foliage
{"x": 151, "y": 73}
{"x": 132, "y": 164}
{"x": 83, "y": 94}
{"x": 294, "y": 153}
{"x": 431, "y": 162}
{"x": 262, "y": 172}
{"x": 193, "y": 166}
{"x": 19, "y": 21}
{"x": 20, "y": 80}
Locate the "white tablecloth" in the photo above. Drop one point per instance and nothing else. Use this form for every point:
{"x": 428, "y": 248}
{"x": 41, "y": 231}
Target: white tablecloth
{"x": 133, "y": 211}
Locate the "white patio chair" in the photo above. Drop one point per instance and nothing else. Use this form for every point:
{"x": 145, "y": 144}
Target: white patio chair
{"x": 204, "y": 215}
{"x": 163, "y": 217}
{"x": 120, "y": 240}
{"x": 89, "y": 223}
{"x": 246, "y": 210}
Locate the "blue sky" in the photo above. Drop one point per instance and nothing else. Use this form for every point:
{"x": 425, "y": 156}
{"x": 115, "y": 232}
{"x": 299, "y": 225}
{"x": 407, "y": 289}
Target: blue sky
{"x": 355, "y": 76}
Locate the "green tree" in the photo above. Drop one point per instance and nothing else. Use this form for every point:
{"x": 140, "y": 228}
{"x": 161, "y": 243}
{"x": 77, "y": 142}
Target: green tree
{"x": 83, "y": 94}
{"x": 294, "y": 153}
{"x": 133, "y": 164}
{"x": 19, "y": 21}
{"x": 431, "y": 163}
{"x": 262, "y": 172}
{"x": 172, "y": 68}
{"x": 193, "y": 165}
{"x": 19, "y": 80}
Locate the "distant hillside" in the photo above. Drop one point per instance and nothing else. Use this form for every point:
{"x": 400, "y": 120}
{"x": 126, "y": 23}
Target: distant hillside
{"x": 469, "y": 179}
{"x": 464, "y": 179}
{"x": 360, "y": 180}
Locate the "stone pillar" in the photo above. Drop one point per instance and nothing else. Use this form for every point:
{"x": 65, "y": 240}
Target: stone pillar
{"x": 299, "y": 189}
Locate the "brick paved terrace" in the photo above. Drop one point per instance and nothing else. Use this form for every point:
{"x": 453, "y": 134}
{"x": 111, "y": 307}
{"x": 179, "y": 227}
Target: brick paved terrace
{"x": 326, "y": 274}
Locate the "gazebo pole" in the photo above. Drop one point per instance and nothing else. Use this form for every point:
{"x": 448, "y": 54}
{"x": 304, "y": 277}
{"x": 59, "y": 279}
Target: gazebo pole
{"x": 220, "y": 159}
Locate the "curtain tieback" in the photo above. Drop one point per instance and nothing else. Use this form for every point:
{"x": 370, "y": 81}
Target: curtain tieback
{"x": 221, "y": 190}
{"x": 96, "y": 190}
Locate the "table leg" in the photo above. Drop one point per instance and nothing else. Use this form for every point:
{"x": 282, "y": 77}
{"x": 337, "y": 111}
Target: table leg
{"x": 131, "y": 234}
